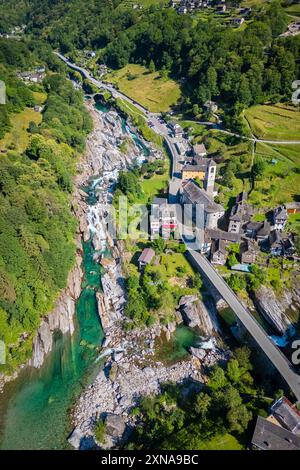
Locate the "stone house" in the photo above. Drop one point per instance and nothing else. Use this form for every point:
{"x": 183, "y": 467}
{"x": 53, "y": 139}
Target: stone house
{"x": 258, "y": 230}
{"x": 287, "y": 415}
{"x": 248, "y": 252}
{"x": 219, "y": 253}
{"x": 280, "y": 217}
{"x": 280, "y": 430}
{"x": 280, "y": 244}
{"x": 264, "y": 232}
{"x": 211, "y": 106}
{"x": 240, "y": 214}
{"x": 146, "y": 257}
{"x": 212, "y": 236}
{"x": 199, "y": 150}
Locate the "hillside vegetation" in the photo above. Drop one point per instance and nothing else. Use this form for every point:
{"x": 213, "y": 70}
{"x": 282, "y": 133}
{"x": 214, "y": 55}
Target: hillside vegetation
{"x": 151, "y": 90}
{"x": 215, "y": 417}
{"x": 36, "y": 226}
{"x": 238, "y": 68}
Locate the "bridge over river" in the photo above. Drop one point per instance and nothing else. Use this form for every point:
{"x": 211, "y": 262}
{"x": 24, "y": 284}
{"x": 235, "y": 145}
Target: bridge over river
{"x": 282, "y": 364}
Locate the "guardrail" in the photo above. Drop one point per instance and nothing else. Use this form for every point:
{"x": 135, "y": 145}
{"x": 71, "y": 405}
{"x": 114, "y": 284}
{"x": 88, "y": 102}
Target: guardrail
{"x": 196, "y": 263}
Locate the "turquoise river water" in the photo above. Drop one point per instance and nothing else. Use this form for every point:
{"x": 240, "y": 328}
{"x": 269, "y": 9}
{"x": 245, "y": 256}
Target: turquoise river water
{"x": 35, "y": 408}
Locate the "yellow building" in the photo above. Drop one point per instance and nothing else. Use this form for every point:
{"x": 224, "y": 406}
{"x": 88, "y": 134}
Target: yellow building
{"x": 203, "y": 169}
{"x": 192, "y": 172}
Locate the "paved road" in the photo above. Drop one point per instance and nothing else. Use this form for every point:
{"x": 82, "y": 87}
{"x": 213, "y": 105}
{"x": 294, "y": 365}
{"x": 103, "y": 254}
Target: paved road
{"x": 159, "y": 127}
{"x": 281, "y": 363}
{"x": 157, "y": 124}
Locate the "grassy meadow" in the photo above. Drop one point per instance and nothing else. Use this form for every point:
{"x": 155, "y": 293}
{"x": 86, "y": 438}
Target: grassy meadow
{"x": 154, "y": 185}
{"x": 148, "y": 89}
{"x": 222, "y": 442}
{"x": 18, "y": 136}
{"x": 274, "y": 122}
{"x": 293, "y": 10}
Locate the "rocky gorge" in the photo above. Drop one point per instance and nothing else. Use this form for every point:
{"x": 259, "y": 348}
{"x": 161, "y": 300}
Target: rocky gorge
{"x": 281, "y": 310}
{"x": 131, "y": 367}
{"x": 62, "y": 364}
{"x": 101, "y": 157}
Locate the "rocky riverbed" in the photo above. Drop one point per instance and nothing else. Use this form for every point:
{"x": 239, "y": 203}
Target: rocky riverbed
{"x": 102, "y": 161}
{"x": 132, "y": 370}
{"x": 131, "y": 366}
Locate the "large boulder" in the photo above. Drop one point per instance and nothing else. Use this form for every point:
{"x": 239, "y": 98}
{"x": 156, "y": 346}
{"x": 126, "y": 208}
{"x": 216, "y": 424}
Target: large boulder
{"x": 115, "y": 425}
{"x": 273, "y": 308}
{"x": 75, "y": 438}
{"x": 195, "y": 314}
{"x": 114, "y": 430}
{"x": 198, "y": 353}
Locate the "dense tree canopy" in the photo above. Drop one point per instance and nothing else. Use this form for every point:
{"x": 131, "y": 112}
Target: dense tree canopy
{"x": 238, "y": 68}
{"x": 37, "y": 229}
{"x": 176, "y": 420}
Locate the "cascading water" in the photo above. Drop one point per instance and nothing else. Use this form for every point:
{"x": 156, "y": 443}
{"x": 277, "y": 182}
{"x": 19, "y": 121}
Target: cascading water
{"x": 37, "y": 403}
{"x": 35, "y": 408}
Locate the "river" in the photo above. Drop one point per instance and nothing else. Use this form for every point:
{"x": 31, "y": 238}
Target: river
{"x": 35, "y": 408}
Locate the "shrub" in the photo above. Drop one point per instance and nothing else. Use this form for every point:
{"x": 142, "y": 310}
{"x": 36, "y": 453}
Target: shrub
{"x": 99, "y": 431}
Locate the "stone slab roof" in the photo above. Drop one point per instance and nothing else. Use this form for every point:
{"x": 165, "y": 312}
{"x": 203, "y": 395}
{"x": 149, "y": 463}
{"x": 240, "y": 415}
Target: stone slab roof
{"x": 269, "y": 436}
{"x": 197, "y": 195}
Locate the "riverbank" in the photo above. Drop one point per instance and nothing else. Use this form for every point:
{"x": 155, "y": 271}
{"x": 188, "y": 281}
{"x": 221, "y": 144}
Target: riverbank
{"x": 132, "y": 367}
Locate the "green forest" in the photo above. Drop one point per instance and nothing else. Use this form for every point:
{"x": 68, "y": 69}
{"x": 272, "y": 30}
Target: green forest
{"x": 238, "y": 68}
{"x": 37, "y": 229}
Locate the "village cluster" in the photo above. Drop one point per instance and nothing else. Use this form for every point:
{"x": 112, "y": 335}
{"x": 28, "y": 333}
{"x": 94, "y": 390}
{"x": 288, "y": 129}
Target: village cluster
{"x": 36, "y": 75}
{"x": 220, "y": 229}
{"x": 15, "y": 33}
{"x": 293, "y": 29}
{"x": 218, "y": 7}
